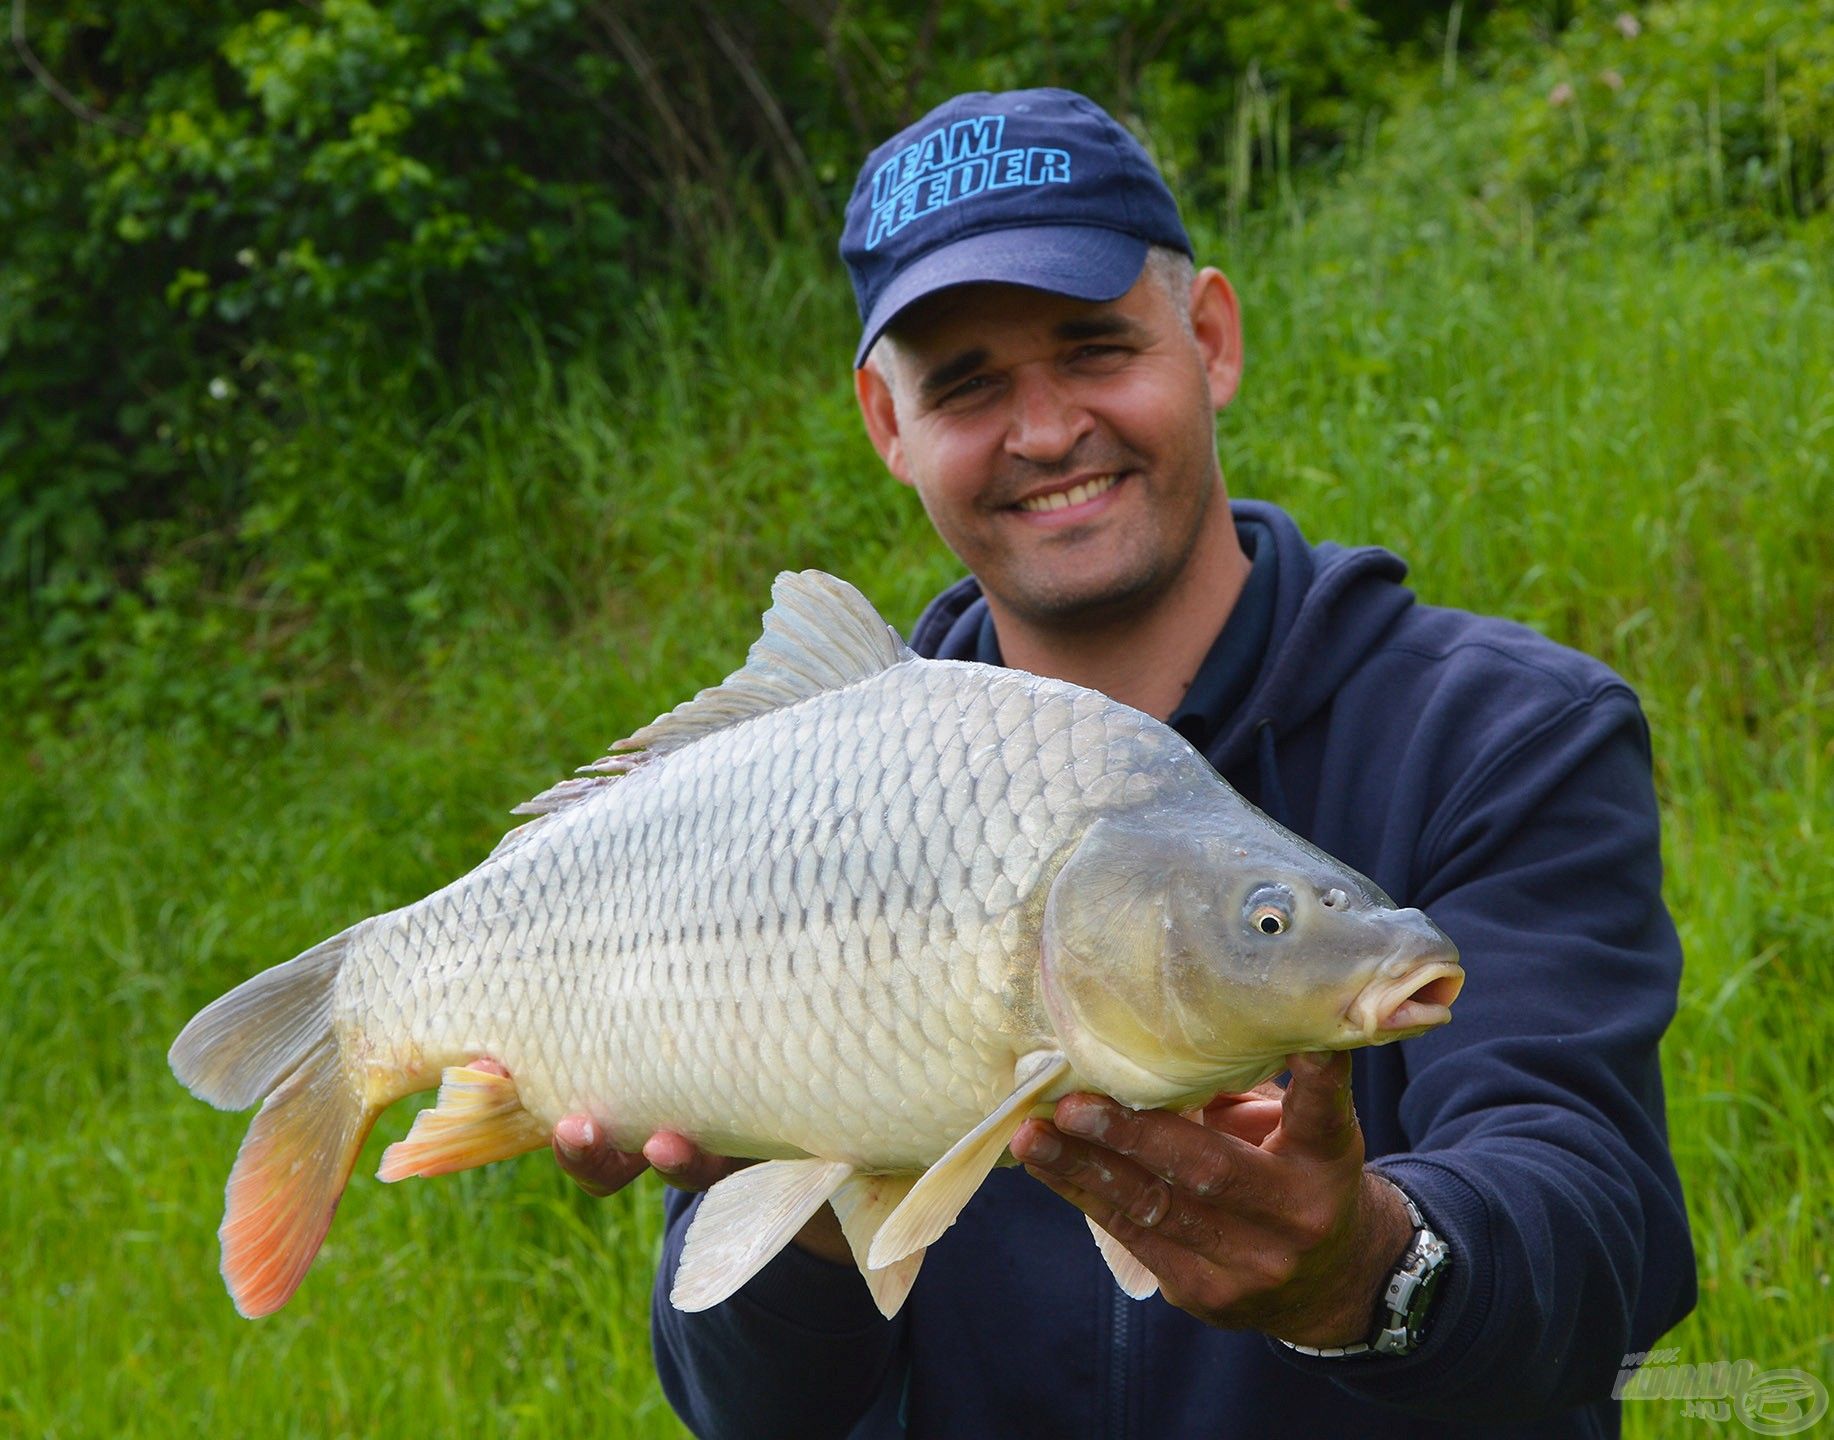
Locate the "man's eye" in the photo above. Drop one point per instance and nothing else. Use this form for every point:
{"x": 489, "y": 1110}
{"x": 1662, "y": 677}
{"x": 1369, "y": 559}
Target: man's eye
{"x": 969, "y": 387}
{"x": 1100, "y": 352}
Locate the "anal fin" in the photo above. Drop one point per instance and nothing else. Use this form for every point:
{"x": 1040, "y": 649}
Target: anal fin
{"x": 746, "y": 1219}
{"x": 864, "y": 1204}
{"x": 477, "y": 1119}
{"x": 1134, "y": 1278}
{"x": 939, "y": 1195}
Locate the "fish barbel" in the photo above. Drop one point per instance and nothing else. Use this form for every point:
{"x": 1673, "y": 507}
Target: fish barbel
{"x": 852, "y": 913}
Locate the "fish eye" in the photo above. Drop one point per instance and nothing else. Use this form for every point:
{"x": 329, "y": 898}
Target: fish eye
{"x": 1270, "y": 909}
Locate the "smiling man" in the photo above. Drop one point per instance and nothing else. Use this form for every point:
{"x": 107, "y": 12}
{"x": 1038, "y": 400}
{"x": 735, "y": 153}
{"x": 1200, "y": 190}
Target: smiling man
{"x": 1065, "y": 449}
{"x": 1462, "y": 1239}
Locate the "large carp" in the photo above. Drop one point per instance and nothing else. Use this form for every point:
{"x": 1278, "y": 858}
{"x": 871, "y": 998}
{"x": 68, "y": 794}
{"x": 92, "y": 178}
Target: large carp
{"x": 852, "y": 913}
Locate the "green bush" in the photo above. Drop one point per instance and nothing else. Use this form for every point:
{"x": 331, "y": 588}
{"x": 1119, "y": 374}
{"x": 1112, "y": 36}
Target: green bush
{"x": 242, "y": 203}
{"x": 257, "y": 268}
{"x": 1694, "y": 115}
{"x": 228, "y": 235}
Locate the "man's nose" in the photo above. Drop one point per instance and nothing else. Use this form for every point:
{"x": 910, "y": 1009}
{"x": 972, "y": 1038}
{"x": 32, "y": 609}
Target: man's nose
{"x": 1047, "y": 419}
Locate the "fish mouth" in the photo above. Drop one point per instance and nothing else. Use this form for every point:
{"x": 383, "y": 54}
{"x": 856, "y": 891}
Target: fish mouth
{"x": 1396, "y": 1007}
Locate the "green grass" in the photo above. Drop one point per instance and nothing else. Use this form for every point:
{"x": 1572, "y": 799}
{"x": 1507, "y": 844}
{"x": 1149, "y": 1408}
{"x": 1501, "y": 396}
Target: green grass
{"x": 1623, "y": 441}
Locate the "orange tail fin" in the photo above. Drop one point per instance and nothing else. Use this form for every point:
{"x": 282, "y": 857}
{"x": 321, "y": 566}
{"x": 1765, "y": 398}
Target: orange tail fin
{"x": 271, "y": 1036}
{"x": 288, "y": 1178}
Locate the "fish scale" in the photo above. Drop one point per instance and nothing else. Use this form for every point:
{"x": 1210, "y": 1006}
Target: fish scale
{"x": 851, "y": 913}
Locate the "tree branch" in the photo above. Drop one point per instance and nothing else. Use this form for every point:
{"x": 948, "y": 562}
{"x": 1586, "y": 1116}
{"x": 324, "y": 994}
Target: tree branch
{"x": 50, "y": 82}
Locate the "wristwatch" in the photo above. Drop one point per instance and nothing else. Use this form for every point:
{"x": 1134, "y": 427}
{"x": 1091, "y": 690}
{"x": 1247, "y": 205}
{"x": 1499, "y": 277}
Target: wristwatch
{"x": 1406, "y": 1298}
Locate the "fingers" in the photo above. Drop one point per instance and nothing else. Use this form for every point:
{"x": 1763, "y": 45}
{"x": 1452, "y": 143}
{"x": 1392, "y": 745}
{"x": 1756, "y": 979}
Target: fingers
{"x": 1208, "y": 1164}
{"x": 1098, "y": 1173}
{"x": 585, "y": 1153}
{"x": 1317, "y": 1115}
{"x": 1239, "y": 1233}
{"x": 1250, "y": 1118}
{"x": 683, "y": 1164}
{"x": 588, "y": 1156}
{"x": 1266, "y": 1090}
{"x": 1168, "y": 1246}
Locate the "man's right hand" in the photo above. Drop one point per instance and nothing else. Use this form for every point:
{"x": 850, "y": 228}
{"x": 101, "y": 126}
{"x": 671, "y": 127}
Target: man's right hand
{"x": 586, "y": 1154}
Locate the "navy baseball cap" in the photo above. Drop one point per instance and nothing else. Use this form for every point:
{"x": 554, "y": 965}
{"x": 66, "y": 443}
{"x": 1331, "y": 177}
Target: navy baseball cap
{"x": 1027, "y": 187}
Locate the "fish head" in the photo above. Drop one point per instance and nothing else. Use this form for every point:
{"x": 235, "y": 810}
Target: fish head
{"x": 1182, "y": 958}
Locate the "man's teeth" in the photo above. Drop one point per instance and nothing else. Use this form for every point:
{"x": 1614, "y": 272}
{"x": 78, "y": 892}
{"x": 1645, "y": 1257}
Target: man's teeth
{"x": 1064, "y": 499}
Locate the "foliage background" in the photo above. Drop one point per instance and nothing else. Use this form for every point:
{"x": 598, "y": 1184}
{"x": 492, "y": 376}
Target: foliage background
{"x": 399, "y": 400}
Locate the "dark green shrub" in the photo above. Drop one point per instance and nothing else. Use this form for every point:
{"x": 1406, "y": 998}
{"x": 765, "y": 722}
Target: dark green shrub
{"x": 226, "y": 234}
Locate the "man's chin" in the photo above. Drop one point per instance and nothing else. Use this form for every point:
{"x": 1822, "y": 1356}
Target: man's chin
{"x": 1082, "y": 599}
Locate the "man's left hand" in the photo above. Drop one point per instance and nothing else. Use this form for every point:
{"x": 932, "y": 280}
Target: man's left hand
{"x": 1262, "y": 1217}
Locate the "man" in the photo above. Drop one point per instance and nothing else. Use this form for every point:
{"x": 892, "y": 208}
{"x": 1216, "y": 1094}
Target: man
{"x": 1042, "y": 363}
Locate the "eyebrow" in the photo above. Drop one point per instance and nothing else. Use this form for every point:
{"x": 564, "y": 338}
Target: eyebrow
{"x": 1104, "y": 325}
{"x": 959, "y": 367}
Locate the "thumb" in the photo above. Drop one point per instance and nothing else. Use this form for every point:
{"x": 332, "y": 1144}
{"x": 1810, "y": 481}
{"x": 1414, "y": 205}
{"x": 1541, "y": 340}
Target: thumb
{"x": 1317, "y": 1115}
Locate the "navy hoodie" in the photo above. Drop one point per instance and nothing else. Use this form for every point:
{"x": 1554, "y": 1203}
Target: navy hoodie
{"x": 1472, "y": 768}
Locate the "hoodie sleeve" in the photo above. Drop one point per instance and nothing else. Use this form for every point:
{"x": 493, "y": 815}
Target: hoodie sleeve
{"x": 1536, "y": 1140}
{"x": 800, "y": 1351}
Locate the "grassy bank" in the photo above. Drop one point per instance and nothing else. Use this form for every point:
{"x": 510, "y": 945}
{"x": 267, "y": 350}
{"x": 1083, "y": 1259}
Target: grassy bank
{"x": 1622, "y": 441}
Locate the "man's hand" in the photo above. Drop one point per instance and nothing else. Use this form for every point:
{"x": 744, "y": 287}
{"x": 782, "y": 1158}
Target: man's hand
{"x": 587, "y": 1155}
{"x": 1261, "y": 1217}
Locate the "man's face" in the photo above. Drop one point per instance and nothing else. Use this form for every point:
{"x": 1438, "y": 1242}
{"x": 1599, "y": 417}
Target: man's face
{"x": 1065, "y": 450}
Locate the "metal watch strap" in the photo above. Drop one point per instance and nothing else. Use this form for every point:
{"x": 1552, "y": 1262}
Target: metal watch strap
{"x": 1423, "y": 1262}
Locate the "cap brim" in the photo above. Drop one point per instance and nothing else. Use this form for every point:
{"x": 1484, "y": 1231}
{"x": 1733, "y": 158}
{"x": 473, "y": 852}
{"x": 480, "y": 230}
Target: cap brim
{"x": 1081, "y": 261}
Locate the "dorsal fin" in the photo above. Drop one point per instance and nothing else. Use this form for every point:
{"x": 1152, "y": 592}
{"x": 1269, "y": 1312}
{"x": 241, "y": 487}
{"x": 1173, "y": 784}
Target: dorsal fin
{"x": 819, "y": 634}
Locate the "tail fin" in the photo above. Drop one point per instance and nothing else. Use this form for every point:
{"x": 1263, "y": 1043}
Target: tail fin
{"x": 289, "y": 1175}
{"x": 240, "y": 1046}
{"x": 271, "y": 1037}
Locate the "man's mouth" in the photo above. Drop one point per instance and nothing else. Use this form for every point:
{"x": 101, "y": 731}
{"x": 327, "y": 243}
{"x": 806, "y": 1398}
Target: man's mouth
{"x": 1075, "y": 495}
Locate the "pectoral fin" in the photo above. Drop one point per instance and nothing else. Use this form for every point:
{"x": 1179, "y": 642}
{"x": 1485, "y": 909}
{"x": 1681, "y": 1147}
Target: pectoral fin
{"x": 938, "y": 1197}
{"x": 746, "y": 1219}
{"x": 477, "y": 1119}
{"x": 1133, "y": 1277}
{"x": 864, "y": 1203}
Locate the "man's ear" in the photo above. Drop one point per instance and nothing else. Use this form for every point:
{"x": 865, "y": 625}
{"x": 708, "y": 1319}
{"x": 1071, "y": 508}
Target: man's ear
{"x": 880, "y": 413}
{"x": 1216, "y": 321}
